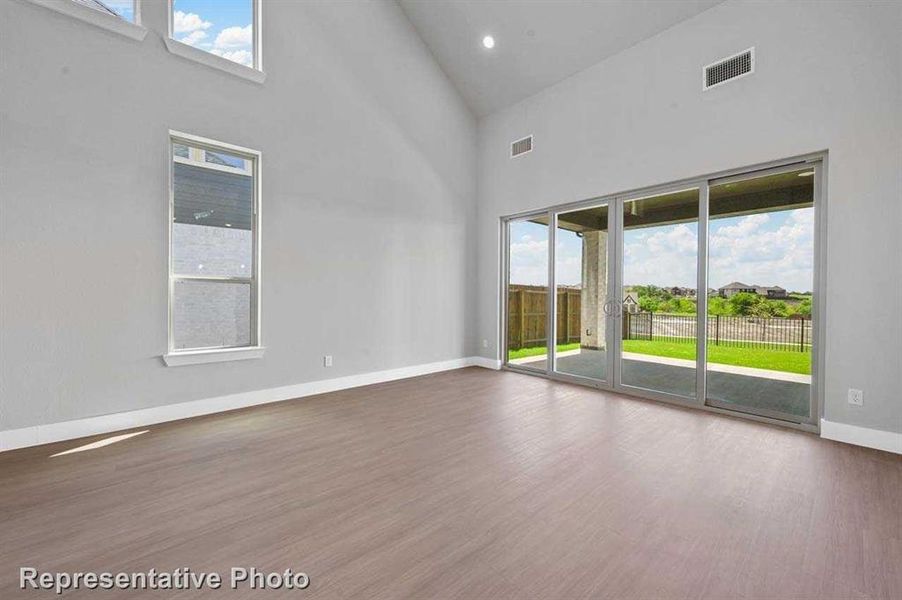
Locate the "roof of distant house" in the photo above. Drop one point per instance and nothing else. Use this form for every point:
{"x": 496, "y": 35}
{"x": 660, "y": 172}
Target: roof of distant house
{"x": 736, "y": 285}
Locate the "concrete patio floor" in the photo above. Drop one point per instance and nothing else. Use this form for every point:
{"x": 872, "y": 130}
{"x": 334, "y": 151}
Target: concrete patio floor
{"x": 741, "y": 386}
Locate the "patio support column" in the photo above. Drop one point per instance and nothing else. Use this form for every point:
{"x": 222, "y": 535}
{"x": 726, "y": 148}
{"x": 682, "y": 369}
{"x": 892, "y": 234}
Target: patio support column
{"x": 594, "y": 289}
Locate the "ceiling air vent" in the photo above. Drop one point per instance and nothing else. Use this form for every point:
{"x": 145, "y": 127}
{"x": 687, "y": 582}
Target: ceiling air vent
{"x": 730, "y": 68}
{"x": 521, "y": 146}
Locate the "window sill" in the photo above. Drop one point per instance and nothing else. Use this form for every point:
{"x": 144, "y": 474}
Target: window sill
{"x": 216, "y": 62}
{"x": 94, "y": 17}
{"x": 198, "y": 357}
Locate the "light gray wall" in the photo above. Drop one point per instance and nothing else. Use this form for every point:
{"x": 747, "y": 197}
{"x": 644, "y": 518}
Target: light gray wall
{"x": 829, "y": 76}
{"x": 368, "y": 205}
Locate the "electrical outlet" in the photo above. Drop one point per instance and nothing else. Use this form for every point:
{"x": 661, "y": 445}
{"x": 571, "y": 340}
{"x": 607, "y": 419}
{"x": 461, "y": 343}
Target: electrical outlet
{"x": 327, "y": 360}
{"x": 485, "y": 343}
{"x": 856, "y": 397}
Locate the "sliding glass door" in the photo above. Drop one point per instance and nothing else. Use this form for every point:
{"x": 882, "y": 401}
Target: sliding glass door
{"x": 761, "y": 272}
{"x": 702, "y": 293}
{"x": 584, "y": 307}
{"x": 527, "y": 293}
{"x": 658, "y": 281}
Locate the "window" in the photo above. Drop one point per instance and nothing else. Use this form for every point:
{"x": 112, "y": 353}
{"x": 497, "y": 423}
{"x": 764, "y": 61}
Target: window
{"x": 119, "y": 16}
{"x": 124, "y": 9}
{"x": 221, "y": 34}
{"x": 214, "y": 248}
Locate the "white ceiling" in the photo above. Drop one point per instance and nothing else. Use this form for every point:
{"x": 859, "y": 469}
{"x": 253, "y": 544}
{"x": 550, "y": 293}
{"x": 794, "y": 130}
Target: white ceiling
{"x": 537, "y": 42}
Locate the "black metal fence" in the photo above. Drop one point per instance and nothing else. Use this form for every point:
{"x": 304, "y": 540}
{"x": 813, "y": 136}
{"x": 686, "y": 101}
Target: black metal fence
{"x": 744, "y": 332}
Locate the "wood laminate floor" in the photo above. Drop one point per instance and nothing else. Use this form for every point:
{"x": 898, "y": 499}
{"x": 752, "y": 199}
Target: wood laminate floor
{"x": 466, "y": 484}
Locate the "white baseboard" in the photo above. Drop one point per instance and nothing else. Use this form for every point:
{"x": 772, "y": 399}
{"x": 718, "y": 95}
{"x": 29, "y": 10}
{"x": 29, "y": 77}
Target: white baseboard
{"x": 67, "y": 430}
{"x": 485, "y": 363}
{"x": 862, "y": 436}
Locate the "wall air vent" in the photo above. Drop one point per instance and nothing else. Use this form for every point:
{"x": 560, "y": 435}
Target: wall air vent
{"x": 728, "y": 69}
{"x": 521, "y": 146}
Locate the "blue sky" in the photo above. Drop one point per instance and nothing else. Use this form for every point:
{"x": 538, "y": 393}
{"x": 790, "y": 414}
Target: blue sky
{"x": 223, "y": 27}
{"x": 774, "y": 248}
{"x": 123, "y": 8}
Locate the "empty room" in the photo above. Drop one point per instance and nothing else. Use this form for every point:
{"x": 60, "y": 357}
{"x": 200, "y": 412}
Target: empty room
{"x": 451, "y": 299}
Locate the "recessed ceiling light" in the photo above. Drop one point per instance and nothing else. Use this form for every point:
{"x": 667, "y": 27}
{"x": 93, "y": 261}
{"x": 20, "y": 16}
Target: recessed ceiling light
{"x": 806, "y": 174}
{"x": 228, "y": 224}
{"x": 488, "y": 41}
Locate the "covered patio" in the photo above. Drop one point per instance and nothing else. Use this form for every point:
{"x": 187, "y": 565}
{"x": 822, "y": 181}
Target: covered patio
{"x": 759, "y": 388}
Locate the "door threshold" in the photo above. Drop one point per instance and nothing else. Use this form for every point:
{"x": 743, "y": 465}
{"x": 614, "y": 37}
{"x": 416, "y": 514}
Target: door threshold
{"x": 637, "y": 393}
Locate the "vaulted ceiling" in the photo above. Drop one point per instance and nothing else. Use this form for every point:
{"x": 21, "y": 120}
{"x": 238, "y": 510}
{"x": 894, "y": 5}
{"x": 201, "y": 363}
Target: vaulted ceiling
{"x": 537, "y": 42}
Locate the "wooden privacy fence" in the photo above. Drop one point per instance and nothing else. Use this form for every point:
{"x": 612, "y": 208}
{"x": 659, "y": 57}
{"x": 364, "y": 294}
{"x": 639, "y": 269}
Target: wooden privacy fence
{"x": 526, "y": 315}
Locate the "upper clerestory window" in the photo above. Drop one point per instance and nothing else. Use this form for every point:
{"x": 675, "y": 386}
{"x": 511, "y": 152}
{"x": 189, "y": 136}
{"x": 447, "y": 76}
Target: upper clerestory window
{"x": 119, "y": 16}
{"x": 124, "y": 9}
{"x": 224, "y": 34}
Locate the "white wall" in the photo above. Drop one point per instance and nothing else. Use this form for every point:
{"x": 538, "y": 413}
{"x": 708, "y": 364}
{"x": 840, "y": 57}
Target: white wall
{"x": 829, "y": 77}
{"x": 368, "y": 205}
{"x": 370, "y": 225}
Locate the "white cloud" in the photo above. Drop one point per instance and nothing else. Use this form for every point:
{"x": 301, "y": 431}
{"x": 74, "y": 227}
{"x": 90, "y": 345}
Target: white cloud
{"x": 529, "y": 261}
{"x": 234, "y": 43}
{"x": 243, "y": 57}
{"x": 568, "y": 263}
{"x": 757, "y": 252}
{"x": 235, "y": 37}
{"x": 763, "y": 249}
{"x": 802, "y": 217}
{"x": 663, "y": 256}
{"x": 680, "y": 239}
{"x": 194, "y": 37}
{"x": 183, "y": 22}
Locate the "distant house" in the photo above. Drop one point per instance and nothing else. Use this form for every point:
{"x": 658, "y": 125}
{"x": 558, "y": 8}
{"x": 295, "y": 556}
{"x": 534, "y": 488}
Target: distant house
{"x": 681, "y": 291}
{"x": 773, "y": 291}
{"x": 631, "y": 302}
{"x": 735, "y": 287}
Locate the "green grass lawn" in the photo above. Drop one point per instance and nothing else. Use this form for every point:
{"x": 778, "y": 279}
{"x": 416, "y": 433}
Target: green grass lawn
{"x": 538, "y": 350}
{"x": 758, "y": 358}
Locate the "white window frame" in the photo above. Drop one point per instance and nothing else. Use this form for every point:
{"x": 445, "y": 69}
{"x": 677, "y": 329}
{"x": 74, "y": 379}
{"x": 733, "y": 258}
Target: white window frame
{"x": 197, "y": 157}
{"x": 174, "y": 357}
{"x": 133, "y": 30}
{"x": 255, "y": 73}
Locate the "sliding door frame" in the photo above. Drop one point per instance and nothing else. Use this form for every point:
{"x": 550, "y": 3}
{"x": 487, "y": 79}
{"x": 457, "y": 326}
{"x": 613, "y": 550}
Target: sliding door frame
{"x": 816, "y": 160}
{"x": 607, "y": 382}
{"x": 702, "y": 186}
{"x": 505, "y": 293}
{"x": 816, "y": 331}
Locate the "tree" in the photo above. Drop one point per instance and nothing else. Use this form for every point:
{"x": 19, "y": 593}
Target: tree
{"x": 763, "y": 309}
{"x": 718, "y": 306}
{"x": 649, "y": 304}
{"x": 804, "y": 307}
{"x": 742, "y": 303}
{"x": 652, "y": 292}
{"x": 684, "y": 306}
